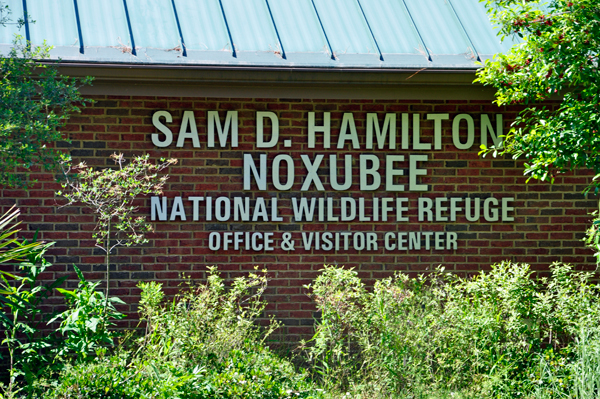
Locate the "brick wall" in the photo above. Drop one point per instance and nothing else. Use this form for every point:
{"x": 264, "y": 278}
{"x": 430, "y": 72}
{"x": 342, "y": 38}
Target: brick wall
{"x": 549, "y": 220}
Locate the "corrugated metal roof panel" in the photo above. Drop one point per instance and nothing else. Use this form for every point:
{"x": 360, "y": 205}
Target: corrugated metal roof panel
{"x": 441, "y": 31}
{"x": 105, "y": 30}
{"x": 251, "y": 26}
{"x": 203, "y": 28}
{"x": 266, "y": 33}
{"x": 298, "y": 26}
{"x": 395, "y": 33}
{"x": 155, "y": 32}
{"x": 104, "y": 24}
{"x": 479, "y": 27}
{"x": 56, "y": 23}
{"x": 345, "y": 27}
{"x": 392, "y": 27}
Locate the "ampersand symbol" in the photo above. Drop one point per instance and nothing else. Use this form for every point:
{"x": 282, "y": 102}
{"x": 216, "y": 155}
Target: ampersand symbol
{"x": 287, "y": 244}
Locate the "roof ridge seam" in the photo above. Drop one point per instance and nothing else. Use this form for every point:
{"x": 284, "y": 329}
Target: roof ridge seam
{"x": 370, "y": 30}
{"x": 234, "y": 53}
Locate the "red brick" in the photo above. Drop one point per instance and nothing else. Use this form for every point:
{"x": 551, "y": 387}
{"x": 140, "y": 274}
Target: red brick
{"x": 182, "y": 247}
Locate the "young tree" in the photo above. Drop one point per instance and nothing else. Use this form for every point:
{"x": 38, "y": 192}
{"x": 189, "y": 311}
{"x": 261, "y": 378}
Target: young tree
{"x": 110, "y": 193}
{"x": 35, "y": 103}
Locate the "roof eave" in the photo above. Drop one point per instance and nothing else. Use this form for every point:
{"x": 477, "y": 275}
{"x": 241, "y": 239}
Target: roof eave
{"x": 277, "y": 82}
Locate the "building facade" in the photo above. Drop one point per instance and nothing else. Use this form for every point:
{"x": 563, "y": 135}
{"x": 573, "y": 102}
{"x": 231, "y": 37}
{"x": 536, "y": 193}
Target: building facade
{"x": 331, "y": 145}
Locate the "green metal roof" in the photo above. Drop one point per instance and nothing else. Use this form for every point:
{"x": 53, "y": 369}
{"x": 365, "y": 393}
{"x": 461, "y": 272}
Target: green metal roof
{"x": 405, "y": 34}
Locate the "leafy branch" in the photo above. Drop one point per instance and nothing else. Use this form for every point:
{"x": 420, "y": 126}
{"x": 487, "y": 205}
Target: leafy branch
{"x": 556, "y": 58}
{"x": 35, "y": 103}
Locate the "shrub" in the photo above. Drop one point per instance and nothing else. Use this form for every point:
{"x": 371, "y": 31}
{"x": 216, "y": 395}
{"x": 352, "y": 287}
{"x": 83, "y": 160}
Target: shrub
{"x": 86, "y": 321}
{"x": 34, "y": 354}
{"x": 482, "y": 337}
{"x": 204, "y": 321}
{"x": 252, "y": 372}
{"x": 205, "y": 343}
{"x": 499, "y": 334}
{"x": 115, "y": 377}
{"x": 22, "y": 296}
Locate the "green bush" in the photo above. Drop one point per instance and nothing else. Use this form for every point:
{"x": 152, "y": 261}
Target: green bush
{"x": 35, "y": 355}
{"x": 115, "y": 377}
{"x": 485, "y": 336}
{"x": 86, "y": 321}
{"x": 22, "y": 296}
{"x": 252, "y": 372}
{"x": 500, "y": 334}
{"x": 205, "y": 343}
{"x": 206, "y": 321}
